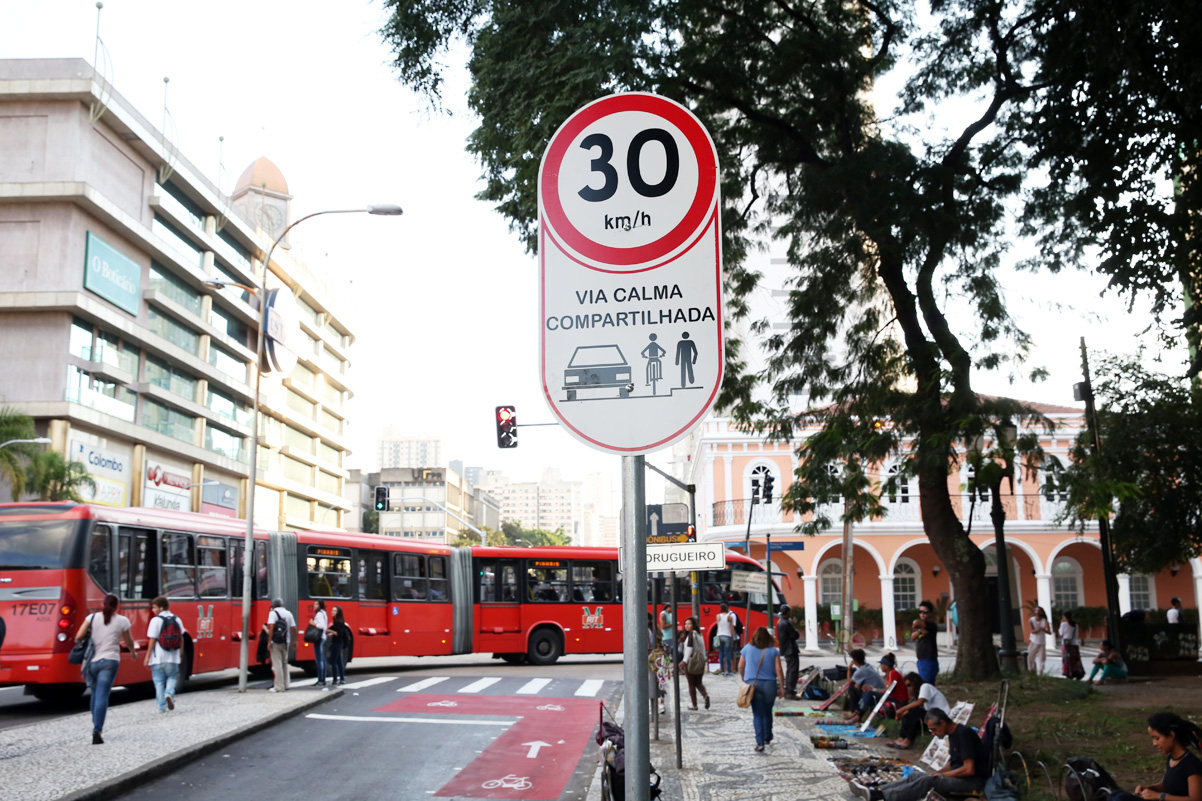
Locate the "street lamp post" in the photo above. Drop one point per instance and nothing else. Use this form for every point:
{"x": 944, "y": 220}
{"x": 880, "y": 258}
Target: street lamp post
{"x": 34, "y": 441}
{"x": 1007, "y": 434}
{"x": 386, "y": 209}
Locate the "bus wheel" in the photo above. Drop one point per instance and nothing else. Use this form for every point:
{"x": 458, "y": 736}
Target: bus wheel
{"x": 56, "y": 693}
{"x": 545, "y": 647}
{"x": 513, "y": 659}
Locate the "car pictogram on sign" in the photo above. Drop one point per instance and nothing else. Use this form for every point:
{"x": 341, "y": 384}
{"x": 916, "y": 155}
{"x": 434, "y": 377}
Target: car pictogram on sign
{"x": 597, "y": 367}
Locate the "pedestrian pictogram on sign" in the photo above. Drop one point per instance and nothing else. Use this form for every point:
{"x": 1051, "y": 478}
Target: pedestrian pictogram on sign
{"x": 631, "y": 281}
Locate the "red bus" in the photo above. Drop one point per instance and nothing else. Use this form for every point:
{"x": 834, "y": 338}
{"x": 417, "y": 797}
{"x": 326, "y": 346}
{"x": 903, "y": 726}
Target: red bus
{"x": 400, "y": 597}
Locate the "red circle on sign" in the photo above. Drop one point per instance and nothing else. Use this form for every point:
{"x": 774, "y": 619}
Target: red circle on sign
{"x": 694, "y": 218}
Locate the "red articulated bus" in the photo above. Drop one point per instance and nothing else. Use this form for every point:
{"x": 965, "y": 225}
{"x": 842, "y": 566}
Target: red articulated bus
{"x": 399, "y": 597}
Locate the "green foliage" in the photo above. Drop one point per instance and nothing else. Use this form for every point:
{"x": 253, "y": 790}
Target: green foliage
{"x": 1151, "y": 427}
{"x": 894, "y": 227}
{"x": 52, "y": 478}
{"x": 371, "y": 521}
{"x": 14, "y": 458}
{"x": 1087, "y": 618}
{"x": 516, "y": 535}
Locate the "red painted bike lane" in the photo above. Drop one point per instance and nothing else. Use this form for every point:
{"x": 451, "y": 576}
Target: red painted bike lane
{"x": 532, "y": 760}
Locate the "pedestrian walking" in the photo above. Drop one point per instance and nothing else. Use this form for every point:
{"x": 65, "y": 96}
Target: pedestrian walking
{"x": 1041, "y": 627}
{"x": 725, "y": 631}
{"x": 339, "y": 635}
{"x": 321, "y": 622}
{"x": 787, "y": 637}
{"x": 1070, "y": 648}
{"x": 696, "y": 662}
{"x": 108, "y": 630}
{"x": 165, "y": 639}
{"x": 759, "y": 664}
{"x": 281, "y": 628}
{"x": 1171, "y": 735}
{"x": 926, "y": 647}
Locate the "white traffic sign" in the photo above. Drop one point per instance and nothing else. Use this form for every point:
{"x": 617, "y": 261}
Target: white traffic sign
{"x": 746, "y": 581}
{"x": 686, "y": 556}
{"x": 631, "y": 273}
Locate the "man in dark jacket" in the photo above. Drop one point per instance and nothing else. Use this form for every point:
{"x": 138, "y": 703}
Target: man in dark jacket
{"x": 786, "y": 638}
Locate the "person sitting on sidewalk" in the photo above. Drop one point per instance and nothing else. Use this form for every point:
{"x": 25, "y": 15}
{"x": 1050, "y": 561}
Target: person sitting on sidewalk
{"x": 1109, "y": 662}
{"x": 965, "y": 773}
{"x": 867, "y": 684}
{"x": 925, "y": 698}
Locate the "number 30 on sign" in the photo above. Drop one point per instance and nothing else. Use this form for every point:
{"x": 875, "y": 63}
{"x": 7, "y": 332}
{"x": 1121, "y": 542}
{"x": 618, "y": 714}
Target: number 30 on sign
{"x": 631, "y": 280}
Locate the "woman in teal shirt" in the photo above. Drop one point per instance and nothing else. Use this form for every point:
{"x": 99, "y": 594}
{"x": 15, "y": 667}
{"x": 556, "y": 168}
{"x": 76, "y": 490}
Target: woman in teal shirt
{"x": 759, "y": 663}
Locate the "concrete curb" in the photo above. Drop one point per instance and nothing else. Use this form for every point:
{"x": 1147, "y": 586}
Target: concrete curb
{"x": 161, "y": 766}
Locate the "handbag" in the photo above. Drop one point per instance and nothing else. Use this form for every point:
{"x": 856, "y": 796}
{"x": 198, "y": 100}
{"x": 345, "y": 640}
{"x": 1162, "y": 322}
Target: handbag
{"x": 312, "y": 634}
{"x": 697, "y": 659}
{"x": 82, "y": 650}
{"x": 747, "y": 691}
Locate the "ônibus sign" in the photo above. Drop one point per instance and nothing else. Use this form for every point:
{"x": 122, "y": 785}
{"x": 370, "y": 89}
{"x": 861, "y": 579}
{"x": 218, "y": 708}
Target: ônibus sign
{"x": 630, "y": 273}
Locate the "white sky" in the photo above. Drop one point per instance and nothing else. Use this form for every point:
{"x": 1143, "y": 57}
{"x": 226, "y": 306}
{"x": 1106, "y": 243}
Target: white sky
{"x": 443, "y": 300}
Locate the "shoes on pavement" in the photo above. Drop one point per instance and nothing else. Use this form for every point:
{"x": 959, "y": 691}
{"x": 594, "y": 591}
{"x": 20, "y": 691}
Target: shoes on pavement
{"x": 860, "y": 791}
{"x": 707, "y": 702}
{"x": 693, "y": 708}
{"x": 759, "y": 747}
{"x": 170, "y": 702}
{"x": 271, "y": 689}
{"x": 97, "y": 739}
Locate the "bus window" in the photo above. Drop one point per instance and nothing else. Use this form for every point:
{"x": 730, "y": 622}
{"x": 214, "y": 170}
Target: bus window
{"x": 125, "y": 546}
{"x": 131, "y": 564}
{"x": 592, "y": 582}
{"x": 715, "y": 588}
{"x": 509, "y": 582}
{"x": 100, "y": 559}
{"x": 260, "y": 568}
{"x": 546, "y": 580}
{"x": 237, "y": 568}
{"x": 409, "y": 577}
{"x": 438, "y": 579}
{"x": 178, "y": 565}
{"x": 37, "y": 545}
{"x": 329, "y": 572}
{"x": 214, "y": 579}
{"x": 371, "y": 577}
{"x": 486, "y": 576}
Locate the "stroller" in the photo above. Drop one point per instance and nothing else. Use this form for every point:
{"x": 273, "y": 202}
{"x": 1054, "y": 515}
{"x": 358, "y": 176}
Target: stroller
{"x": 612, "y": 740}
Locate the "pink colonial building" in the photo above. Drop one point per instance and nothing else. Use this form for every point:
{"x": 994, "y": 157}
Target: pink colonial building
{"x": 895, "y": 566}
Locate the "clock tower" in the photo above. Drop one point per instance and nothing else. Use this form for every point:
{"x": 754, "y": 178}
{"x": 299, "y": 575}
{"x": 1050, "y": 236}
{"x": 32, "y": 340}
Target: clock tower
{"x": 262, "y": 195}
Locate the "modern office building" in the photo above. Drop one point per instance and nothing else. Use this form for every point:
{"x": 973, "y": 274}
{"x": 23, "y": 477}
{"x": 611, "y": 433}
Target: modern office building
{"x": 396, "y": 449}
{"x": 432, "y": 503}
{"x": 111, "y": 339}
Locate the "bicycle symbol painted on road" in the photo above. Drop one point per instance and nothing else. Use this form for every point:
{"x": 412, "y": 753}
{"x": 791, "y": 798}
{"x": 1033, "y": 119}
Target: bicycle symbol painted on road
{"x": 442, "y": 703}
{"x": 510, "y": 782}
{"x": 550, "y": 708}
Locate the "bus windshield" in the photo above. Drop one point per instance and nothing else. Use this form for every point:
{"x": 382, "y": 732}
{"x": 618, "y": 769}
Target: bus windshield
{"x": 35, "y": 544}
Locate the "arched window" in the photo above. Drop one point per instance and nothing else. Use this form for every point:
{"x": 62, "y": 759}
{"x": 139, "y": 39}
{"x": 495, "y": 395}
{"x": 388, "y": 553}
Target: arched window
{"x": 1066, "y": 583}
{"x": 907, "y": 588}
{"x": 830, "y": 582}
{"x": 897, "y": 486}
{"x": 1055, "y": 488}
{"x": 1143, "y": 592}
{"x": 757, "y": 480}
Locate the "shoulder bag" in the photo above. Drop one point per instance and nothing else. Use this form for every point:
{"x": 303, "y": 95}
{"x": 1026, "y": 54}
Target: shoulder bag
{"x": 747, "y": 691}
{"x": 697, "y": 658}
{"x": 82, "y": 650}
{"x": 312, "y": 634}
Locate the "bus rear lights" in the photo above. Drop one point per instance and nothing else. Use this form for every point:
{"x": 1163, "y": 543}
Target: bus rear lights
{"x": 66, "y": 610}
{"x": 63, "y": 623}
{"x": 61, "y": 636}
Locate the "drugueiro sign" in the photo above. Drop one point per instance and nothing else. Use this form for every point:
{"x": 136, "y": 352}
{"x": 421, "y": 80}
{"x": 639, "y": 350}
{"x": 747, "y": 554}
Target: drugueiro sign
{"x": 631, "y": 273}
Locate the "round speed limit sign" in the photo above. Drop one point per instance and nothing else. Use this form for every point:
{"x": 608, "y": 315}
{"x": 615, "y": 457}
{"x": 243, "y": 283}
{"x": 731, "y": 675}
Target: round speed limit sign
{"x": 631, "y": 273}
{"x": 629, "y": 179}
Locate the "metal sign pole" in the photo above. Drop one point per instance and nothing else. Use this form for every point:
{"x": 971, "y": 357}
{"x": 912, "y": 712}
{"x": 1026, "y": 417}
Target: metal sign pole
{"x": 676, "y": 664}
{"x": 634, "y": 625}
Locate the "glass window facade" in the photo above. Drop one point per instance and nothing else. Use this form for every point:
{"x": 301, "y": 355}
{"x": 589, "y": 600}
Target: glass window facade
{"x": 174, "y": 288}
{"x": 187, "y": 252}
{"x": 221, "y": 441}
{"x": 166, "y": 420}
{"x": 296, "y": 506}
{"x": 298, "y": 404}
{"x": 170, "y": 378}
{"x": 174, "y": 332}
{"x": 112, "y": 399}
{"x": 81, "y": 339}
{"x": 225, "y": 322}
{"x": 227, "y": 364}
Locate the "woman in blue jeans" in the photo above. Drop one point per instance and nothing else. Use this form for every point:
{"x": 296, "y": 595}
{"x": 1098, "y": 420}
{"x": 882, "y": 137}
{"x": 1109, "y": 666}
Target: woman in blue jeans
{"x": 108, "y": 630}
{"x": 322, "y": 622}
{"x": 339, "y": 635}
{"x": 759, "y": 662}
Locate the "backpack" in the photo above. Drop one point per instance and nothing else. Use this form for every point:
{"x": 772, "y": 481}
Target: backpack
{"x": 171, "y": 634}
{"x": 1086, "y": 780}
{"x": 279, "y": 631}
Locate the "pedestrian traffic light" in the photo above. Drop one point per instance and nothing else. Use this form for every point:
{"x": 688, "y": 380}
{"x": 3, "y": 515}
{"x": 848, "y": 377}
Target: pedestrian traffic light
{"x": 769, "y": 480}
{"x": 381, "y": 499}
{"x": 507, "y": 427}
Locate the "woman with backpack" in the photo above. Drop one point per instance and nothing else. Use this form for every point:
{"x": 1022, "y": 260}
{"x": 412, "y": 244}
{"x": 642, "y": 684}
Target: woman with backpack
{"x": 165, "y": 641}
{"x": 108, "y": 632}
{"x": 696, "y": 661}
{"x": 340, "y": 637}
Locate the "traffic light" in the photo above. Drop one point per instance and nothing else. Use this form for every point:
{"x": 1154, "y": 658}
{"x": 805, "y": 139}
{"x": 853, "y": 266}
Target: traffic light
{"x": 381, "y": 499}
{"x": 769, "y": 480}
{"x": 507, "y": 427}
{"x": 691, "y": 531}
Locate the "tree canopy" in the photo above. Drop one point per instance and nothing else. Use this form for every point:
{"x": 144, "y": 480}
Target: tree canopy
{"x": 14, "y": 458}
{"x": 893, "y": 151}
{"x": 512, "y": 533}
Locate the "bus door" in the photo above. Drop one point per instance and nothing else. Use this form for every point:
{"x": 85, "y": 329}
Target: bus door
{"x": 371, "y": 569}
{"x": 595, "y": 594}
{"x": 421, "y": 609}
{"x": 214, "y": 613}
{"x": 500, "y": 617}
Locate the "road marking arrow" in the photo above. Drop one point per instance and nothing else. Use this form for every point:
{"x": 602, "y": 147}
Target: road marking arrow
{"x": 534, "y": 748}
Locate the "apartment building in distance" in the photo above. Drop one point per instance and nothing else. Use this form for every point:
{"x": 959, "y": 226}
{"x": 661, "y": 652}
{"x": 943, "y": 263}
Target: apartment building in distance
{"x": 549, "y": 504}
{"x": 111, "y": 340}
{"x": 397, "y": 449}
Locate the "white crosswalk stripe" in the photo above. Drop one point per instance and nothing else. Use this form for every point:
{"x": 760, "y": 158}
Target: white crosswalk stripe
{"x": 423, "y": 684}
{"x": 590, "y": 688}
{"x": 477, "y": 686}
{"x": 359, "y": 685}
{"x": 533, "y": 686}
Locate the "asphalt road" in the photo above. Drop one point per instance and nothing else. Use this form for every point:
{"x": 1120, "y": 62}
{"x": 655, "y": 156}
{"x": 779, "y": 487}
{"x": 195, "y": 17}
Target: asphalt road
{"x": 468, "y": 728}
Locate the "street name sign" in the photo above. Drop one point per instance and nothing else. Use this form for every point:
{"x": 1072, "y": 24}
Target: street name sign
{"x": 786, "y": 546}
{"x": 686, "y": 556}
{"x": 630, "y": 262}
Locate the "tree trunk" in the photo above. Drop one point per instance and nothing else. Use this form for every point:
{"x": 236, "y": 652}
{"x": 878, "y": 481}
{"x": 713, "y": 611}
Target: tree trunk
{"x": 975, "y": 657}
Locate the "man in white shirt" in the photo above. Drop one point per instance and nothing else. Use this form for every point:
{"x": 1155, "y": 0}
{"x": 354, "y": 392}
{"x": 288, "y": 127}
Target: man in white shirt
{"x": 279, "y": 650}
{"x": 163, "y": 662}
{"x": 1173, "y": 616}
